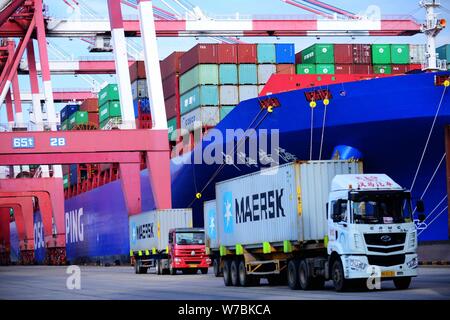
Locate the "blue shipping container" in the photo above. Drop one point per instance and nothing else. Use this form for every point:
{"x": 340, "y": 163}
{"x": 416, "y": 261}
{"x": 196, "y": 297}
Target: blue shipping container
{"x": 68, "y": 110}
{"x": 228, "y": 74}
{"x": 199, "y": 96}
{"x": 248, "y": 74}
{"x": 144, "y": 106}
{"x": 73, "y": 177}
{"x": 285, "y": 53}
{"x": 266, "y": 53}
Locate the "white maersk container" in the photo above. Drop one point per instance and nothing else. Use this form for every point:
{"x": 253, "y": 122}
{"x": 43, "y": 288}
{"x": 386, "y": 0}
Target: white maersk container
{"x": 210, "y": 221}
{"x": 286, "y": 203}
{"x": 150, "y": 229}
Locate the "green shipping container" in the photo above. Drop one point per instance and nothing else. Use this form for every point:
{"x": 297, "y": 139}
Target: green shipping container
{"x": 318, "y": 53}
{"x": 444, "y": 52}
{"x": 65, "y": 125}
{"x": 108, "y": 110}
{"x": 66, "y": 181}
{"x": 266, "y": 53}
{"x": 400, "y": 53}
{"x": 172, "y": 127}
{"x": 108, "y": 93}
{"x": 248, "y": 73}
{"x": 199, "y": 96}
{"x": 225, "y": 110}
{"x": 325, "y": 68}
{"x": 202, "y": 74}
{"x": 228, "y": 74}
{"x": 105, "y": 122}
{"x": 382, "y": 69}
{"x": 381, "y": 54}
{"x": 79, "y": 117}
{"x": 306, "y": 69}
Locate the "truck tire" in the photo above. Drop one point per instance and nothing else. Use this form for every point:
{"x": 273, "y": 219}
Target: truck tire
{"x": 292, "y": 275}
{"x": 304, "y": 278}
{"x": 138, "y": 267}
{"x": 234, "y": 272}
{"x": 216, "y": 268}
{"x": 204, "y": 270}
{"x": 402, "y": 283}
{"x": 158, "y": 267}
{"x": 227, "y": 272}
{"x": 245, "y": 279}
{"x": 172, "y": 270}
{"x": 337, "y": 274}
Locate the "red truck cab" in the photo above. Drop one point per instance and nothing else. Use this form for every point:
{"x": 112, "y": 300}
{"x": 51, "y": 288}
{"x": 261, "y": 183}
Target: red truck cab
{"x": 187, "y": 251}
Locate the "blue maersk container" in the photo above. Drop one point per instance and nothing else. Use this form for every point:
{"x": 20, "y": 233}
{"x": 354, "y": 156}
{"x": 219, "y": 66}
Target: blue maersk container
{"x": 228, "y": 74}
{"x": 285, "y": 53}
{"x": 266, "y": 53}
{"x": 248, "y": 74}
{"x": 67, "y": 111}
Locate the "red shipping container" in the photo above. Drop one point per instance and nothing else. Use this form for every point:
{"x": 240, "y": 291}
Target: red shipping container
{"x": 89, "y": 105}
{"x": 227, "y": 53}
{"x": 415, "y": 67}
{"x": 400, "y": 68}
{"x": 298, "y": 58}
{"x": 362, "y": 53}
{"x": 93, "y": 118}
{"x": 171, "y": 64}
{"x": 343, "y": 69}
{"x": 200, "y": 54}
{"x": 362, "y": 69}
{"x": 343, "y": 53}
{"x": 172, "y": 104}
{"x": 137, "y": 71}
{"x": 170, "y": 85}
{"x": 247, "y": 53}
{"x": 285, "y": 68}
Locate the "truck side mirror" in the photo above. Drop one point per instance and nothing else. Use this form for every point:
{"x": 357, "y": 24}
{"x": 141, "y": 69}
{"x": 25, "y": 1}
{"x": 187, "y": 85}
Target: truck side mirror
{"x": 420, "y": 206}
{"x": 421, "y": 217}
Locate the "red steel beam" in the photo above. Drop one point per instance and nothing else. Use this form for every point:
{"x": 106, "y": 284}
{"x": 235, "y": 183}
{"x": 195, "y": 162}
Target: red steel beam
{"x": 8, "y": 11}
{"x": 69, "y": 158}
{"x": 26, "y": 205}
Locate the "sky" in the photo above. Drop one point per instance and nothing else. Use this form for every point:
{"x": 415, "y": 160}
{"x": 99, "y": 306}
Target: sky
{"x": 98, "y": 8}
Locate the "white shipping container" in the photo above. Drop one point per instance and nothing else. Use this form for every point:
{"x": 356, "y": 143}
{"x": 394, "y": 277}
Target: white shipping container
{"x": 134, "y": 90}
{"x": 229, "y": 95}
{"x": 260, "y": 88}
{"x": 200, "y": 117}
{"x": 210, "y": 221}
{"x": 265, "y": 71}
{"x": 247, "y": 92}
{"x": 150, "y": 229}
{"x": 417, "y": 53}
{"x": 286, "y": 203}
{"x": 142, "y": 91}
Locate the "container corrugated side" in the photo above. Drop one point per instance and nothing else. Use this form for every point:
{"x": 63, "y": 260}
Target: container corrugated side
{"x": 199, "y": 96}
{"x": 381, "y": 53}
{"x": 200, "y": 117}
{"x": 265, "y": 71}
{"x": 210, "y": 218}
{"x": 417, "y": 53}
{"x": 247, "y": 92}
{"x": 266, "y": 53}
{"x": 285, "y": 53}
{"x": 202, "y": 74}
{"x": 247, "y": 53}
{"x": 228, "y": 74}
{"x": 399, "y": 53}
{"x": 228, "y": 95}
{"x": 150, "y": 229}
{"x": 248, "y": 74}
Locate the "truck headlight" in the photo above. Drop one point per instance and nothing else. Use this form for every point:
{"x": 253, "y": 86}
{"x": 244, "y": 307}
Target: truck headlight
{"x": 356, "y": 264}
{"x": 177, "y": 260}
{"x": 412, "y": 263}
{"x": 412, "y": 239}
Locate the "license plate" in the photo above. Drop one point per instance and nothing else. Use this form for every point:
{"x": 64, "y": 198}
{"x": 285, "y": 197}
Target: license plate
{"x": 388, "y": 273}
{"x": 193, "y": 266}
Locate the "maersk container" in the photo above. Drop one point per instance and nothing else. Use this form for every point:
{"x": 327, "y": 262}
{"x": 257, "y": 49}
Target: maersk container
{"x": 228, "y": 74}
{"x": 247, "y": 92}
{"x": 381, "y": 53}
{"x": 225, "y": 110}
{"x": 285, "y": 203}
{"x": 318, "y": 53}
{"x": 172, "y": 129}
{"x": 399, "y": 53}
{"x": 108, "y": 93}
{"x": 79, "y": 117}
{"x": 306, "y": 69}
{"x": 325, "y": 68}
{"x": 199, "y": 96}
{"x": 200, "y": 117}
{"x": 285, "y": 53}
{"x": 150, "y": 230}
{"x": 417, "y": 53}
{"x": 266, "y": 53}
{"x": 248, "y": 74}
{"x": 382, "y": 69}
{"x": 228, "y": 95}
{"x": 210, "y": 218}
{"x": 202, "y": 74}
{"x": 108, "y": 110}
{"x": 265, "y": 71}
{"x": 444, "y": 52}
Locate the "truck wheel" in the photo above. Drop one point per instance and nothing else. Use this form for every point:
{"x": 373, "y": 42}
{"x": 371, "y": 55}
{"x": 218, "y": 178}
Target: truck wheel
{"x": 340, "y": 283}
{"x": 204, "y": 270}
{"x": 304, "y": 278}
{"x": 172, "y": 270}
{"x": 234, "y": 273}
{"x": 227, "y": 272}
{"x": 216, "y": 267}
{"x": 402, "y": 283}
{"x": 136, "y": 266}
{"x": 158, "y": 267}
{"x": 292, "y": 275}
{"x": 244, "y": 278}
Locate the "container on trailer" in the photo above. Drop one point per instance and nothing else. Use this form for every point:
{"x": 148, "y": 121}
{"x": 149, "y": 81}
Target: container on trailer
{"x": 199, "y": 96}
{"x": 265, "y": 71}
{"x": 248, "y": 73}
{"x": 170, "y": 85}
{"x": 318, "y": 53}
{"x": 325, "y": 69}
{"x": 362, "y": 69}
{"x": 171, "y": 106}
{"x": 228, "y": 95}
{"x": 150, "y": 230}
{"x": 382, "y": 69}
{"x": 266, "y": 53}
{"x": 417, "y": 53}
{"x": 400, "y": 54}
{"x": 172, "y": 129}
{"x": 77, "y": 118}
{"x": 343, "y": 53}
{"x": 210, "y": 220}
{"x": 225, "y": 110}
{"x": 381, "y": 53}
{"x": 108, "y": 93}
{"x": 306, "y": 69}
{"x": 343, "y": 69}
{"x": 286, "y": 203}
{"x": 228, "y": 74}
{"x": 285, "y": 68}
{"x": 200, "y": 54}
{"x": 200, "y": 117}
{"x": 202, "y": 74}
{"x": 247, "y": 92}
{"x": 400, "y": 68}
{"x": 89, "y": 105}
{"x": 284, "y": 53}
{"x": 444, "y": 52}
{"x": 247, "y": 53}
{"x": 108, "y": 110}
{"x": 227, "y": 53}
{"x": 362, "y": 53}
{"x": 171, "y": 64}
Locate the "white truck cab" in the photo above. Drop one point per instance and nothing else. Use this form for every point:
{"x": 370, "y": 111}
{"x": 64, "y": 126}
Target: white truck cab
{"x": 371, "y": 233}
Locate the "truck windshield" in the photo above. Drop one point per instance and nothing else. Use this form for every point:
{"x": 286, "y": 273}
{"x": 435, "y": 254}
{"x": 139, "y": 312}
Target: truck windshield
{"x": 189, "y": 238}
{"x": 381, "y": 209}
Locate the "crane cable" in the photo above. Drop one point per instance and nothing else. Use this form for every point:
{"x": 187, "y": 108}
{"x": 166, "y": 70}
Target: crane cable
{"x": 432, "y": 211}
{"x": 326, "y": 101}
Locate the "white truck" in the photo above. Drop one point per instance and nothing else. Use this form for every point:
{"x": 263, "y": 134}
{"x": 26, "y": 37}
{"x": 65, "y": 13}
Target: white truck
{"x": 308, "y": 222}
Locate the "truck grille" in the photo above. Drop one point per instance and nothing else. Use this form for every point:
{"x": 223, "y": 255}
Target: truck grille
{"x": 188, "y": 252}
{"x": 385, "y": 250}
{"x": 386, "y": 261}
{"x": 385, "y": 239}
